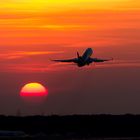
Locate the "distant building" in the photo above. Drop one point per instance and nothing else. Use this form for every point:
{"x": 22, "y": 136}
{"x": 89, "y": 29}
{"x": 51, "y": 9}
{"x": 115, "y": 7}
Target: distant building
{"x": 12, "y": 134}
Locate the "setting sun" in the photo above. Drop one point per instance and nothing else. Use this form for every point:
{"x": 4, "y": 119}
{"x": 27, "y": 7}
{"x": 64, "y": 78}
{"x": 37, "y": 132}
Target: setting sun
{"x": 33, "y": 89}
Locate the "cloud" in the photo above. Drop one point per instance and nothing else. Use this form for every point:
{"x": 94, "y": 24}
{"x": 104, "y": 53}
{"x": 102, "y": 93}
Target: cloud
{"x": 120, "y": 64}
{"x": 22, "y": 54}
{"x": 64, "y": 27}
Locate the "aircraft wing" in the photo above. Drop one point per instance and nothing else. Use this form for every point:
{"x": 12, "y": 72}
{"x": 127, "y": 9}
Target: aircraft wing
{"x": 67, "y": 60}
{"x": 100, "y": 60}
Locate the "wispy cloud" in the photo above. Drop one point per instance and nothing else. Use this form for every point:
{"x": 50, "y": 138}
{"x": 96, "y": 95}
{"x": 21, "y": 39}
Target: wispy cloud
{"x": 22, "y": 54}
{"x": 62, "y": 67}
{"x": 120, "y": 63}
{"x": 64, "y": 27}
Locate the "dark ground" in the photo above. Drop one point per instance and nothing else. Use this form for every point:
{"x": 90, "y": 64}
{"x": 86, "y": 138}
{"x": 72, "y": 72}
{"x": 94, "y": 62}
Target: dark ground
{"x": 91, "y": 127}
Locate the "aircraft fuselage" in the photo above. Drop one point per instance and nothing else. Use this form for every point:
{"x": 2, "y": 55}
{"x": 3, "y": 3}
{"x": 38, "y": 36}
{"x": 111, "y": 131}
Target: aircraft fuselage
{"x": 85, "y": 58}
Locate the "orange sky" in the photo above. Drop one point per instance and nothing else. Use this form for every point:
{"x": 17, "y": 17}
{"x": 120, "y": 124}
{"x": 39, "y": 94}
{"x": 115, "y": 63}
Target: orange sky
{"x": 32, "y": 32}
{"x": 38, "y": 25}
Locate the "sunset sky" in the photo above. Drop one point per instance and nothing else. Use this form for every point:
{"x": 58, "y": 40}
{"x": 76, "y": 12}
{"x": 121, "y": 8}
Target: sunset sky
{"x": 32, "y": 32}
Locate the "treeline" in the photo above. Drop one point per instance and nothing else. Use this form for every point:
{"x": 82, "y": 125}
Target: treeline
{"x": 75, "y": 125}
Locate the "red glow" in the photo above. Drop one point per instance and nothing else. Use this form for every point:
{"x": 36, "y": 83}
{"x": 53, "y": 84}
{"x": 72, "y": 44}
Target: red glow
{"x": 30, "y": 94}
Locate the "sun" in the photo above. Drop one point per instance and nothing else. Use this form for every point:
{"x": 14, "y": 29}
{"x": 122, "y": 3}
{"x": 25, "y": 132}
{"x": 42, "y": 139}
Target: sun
{"x": 34, "y": 92}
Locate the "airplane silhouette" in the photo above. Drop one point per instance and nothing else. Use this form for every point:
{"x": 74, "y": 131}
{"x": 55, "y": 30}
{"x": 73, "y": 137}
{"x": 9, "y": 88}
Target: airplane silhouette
{"x": 85, "y": 59}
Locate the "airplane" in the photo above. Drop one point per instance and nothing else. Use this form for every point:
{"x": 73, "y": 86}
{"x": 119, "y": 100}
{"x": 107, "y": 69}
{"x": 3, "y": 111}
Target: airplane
{"x": 85, "y": 59}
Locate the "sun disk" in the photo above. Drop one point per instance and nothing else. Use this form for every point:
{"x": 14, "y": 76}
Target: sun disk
{"x": 33, "y": 89}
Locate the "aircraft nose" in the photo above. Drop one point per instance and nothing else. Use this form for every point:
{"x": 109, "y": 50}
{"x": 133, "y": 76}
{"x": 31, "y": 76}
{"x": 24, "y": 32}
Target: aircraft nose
{"x": 90, "y": 49}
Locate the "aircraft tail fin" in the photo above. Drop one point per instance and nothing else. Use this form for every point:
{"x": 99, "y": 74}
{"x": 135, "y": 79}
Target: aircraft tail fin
{"x": 78, "y": 54}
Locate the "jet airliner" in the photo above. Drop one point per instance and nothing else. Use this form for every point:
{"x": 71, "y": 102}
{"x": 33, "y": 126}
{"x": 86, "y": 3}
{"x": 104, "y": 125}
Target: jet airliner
{"x": 85, "y": 59}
